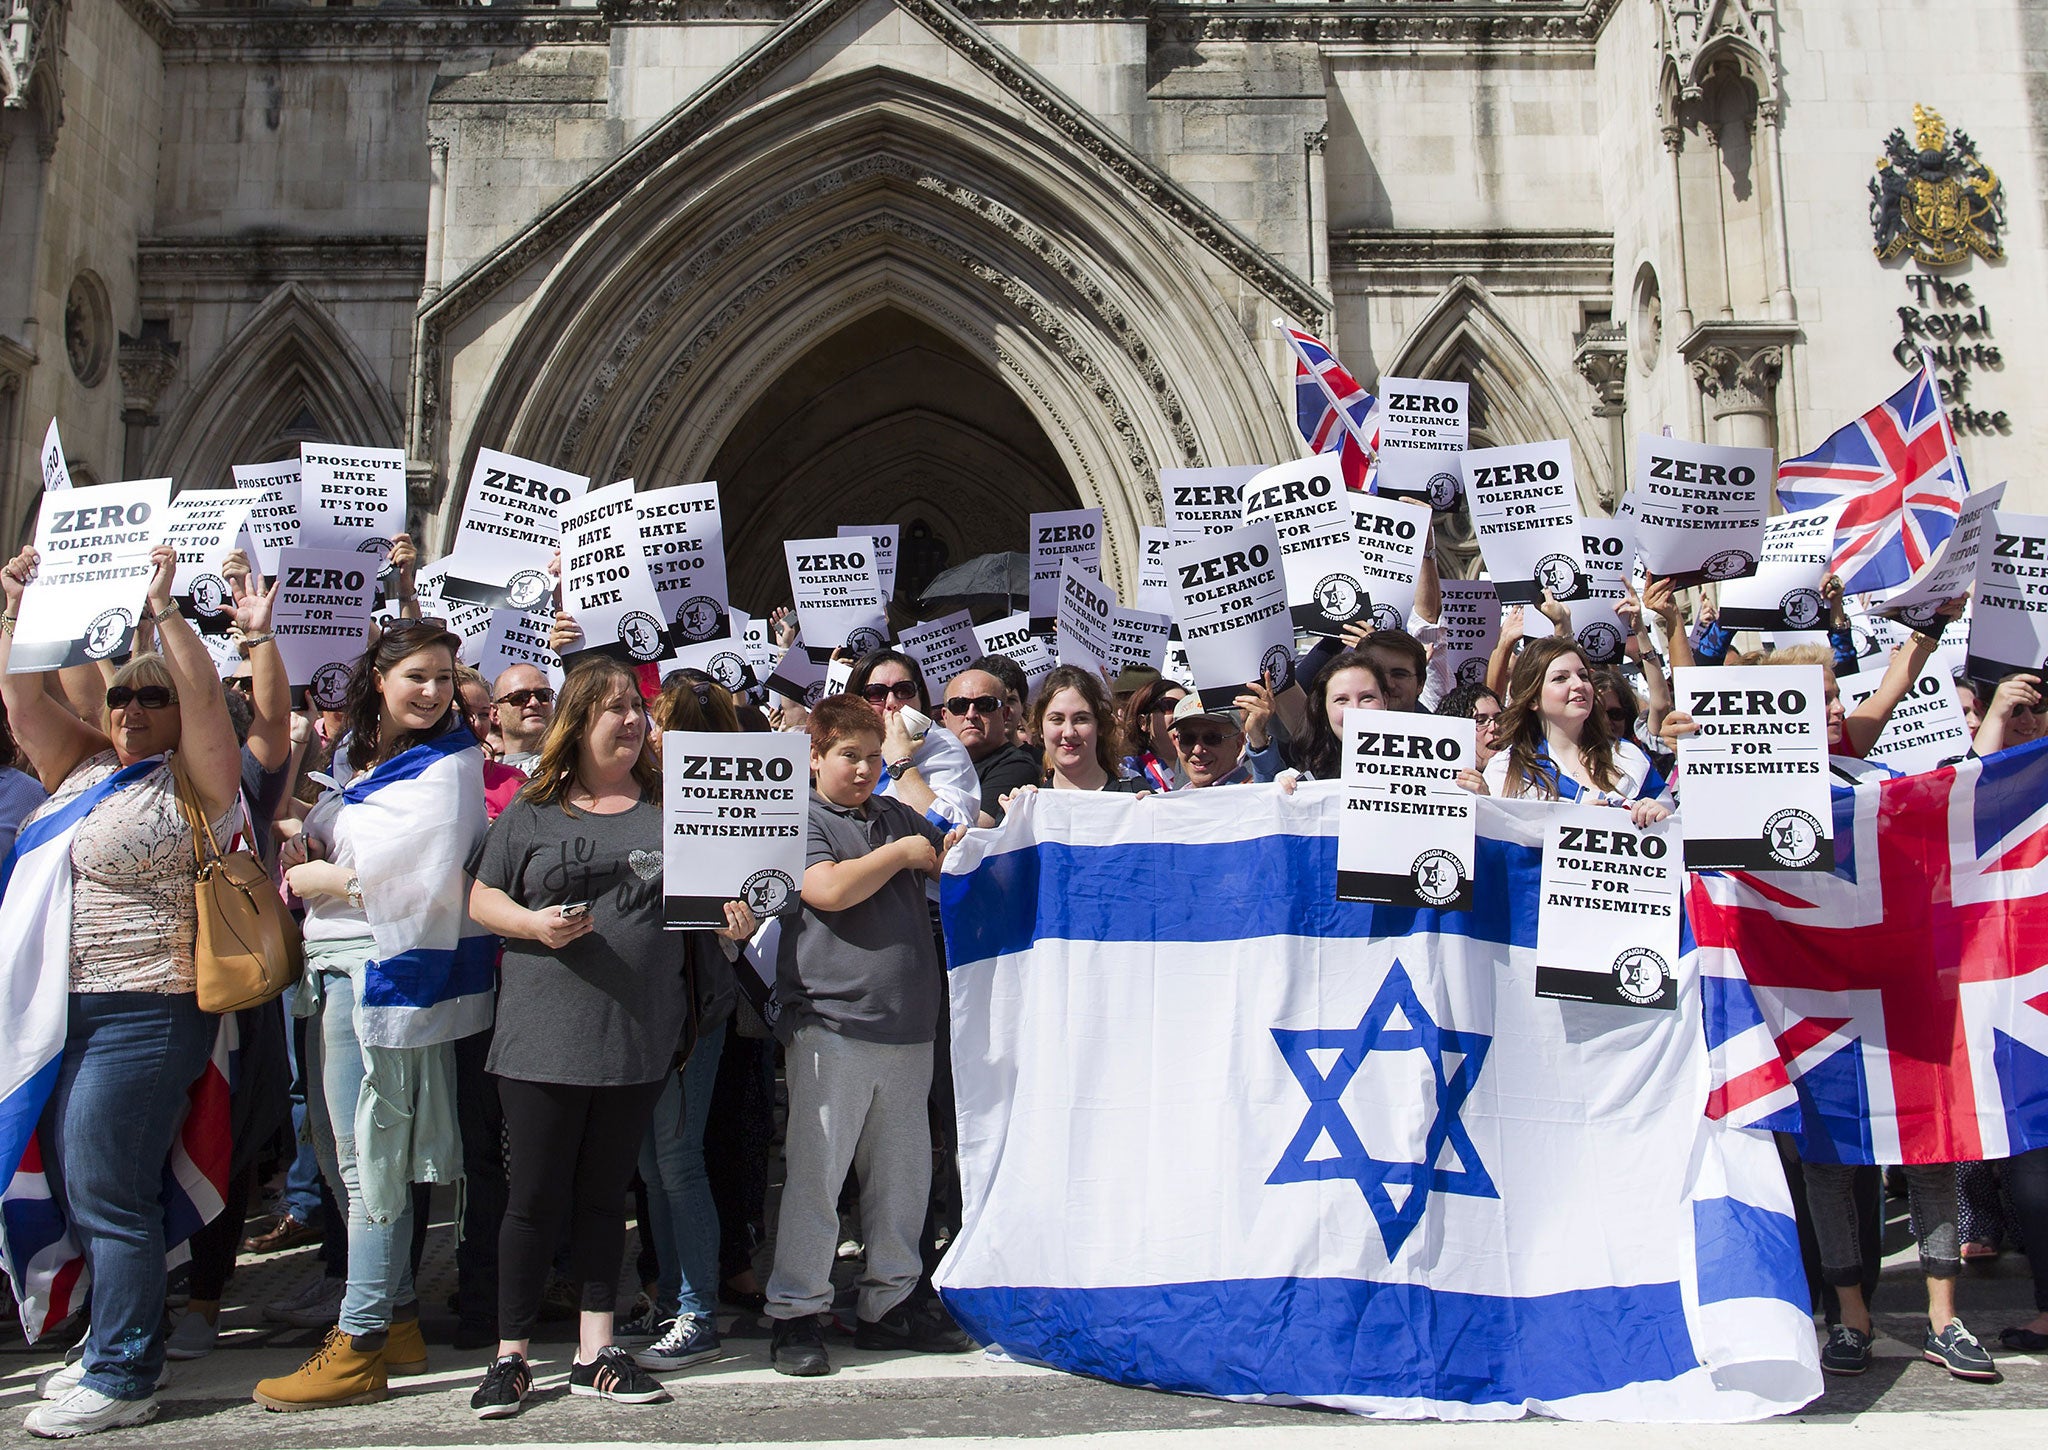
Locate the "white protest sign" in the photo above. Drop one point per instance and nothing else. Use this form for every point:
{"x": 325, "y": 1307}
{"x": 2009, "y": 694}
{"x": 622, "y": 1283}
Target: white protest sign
{"x": 1754, "y": 778}
{"x": 510, "y": 530}
{"x": 735, "y": 820}
{"x": 2009, "y": 613}
{"x": 887, "y": 537}
{"x": 1406, "y": 837}
{"x": 203, "y": 526}
{"x": 1954, "y": 569}
{"x": 1926, "y": 729}
{"x": 682, "y": 533}
{"x": 1600, "y": 631}
{"x": 725, "y": 660}
{"x": 942, "y": 647}
{"x": 226, "y": 653}
{"x": 273, "y": 491}
{"x": 838, "y": 675}
{"x": 1784, "y": 593}
{"x": 1607, "y": 919}
{"x": 1081, "y": 623}
{"x": 1310, "y": 510}
{"x": 92, "y": 573}
{"x": 1204, "y": 500}
{"x": 1155, "y": 593}
{"x": 467, "y": 620}
{"x": 1424, "y": 426}
{"x": 1700, "y": 508}
{"x": 322, "y": 618}
{"x": 1230, "y": 598}
{"x": 760, "y": 649}
{"x": 1524, "y": 503}
{"x": 1013, "y": 639}
{"x": 1391, "y": 537}
{"x": 56, "y": 472}
{"x": 838, "y": 594}
{"x": 518, "y": 637}
{"x": 604, "y": 577}
{"x": 798, "y": 676}
{"x": 1055, "y": 538}
{"x": 1137, "y": 639}
{"x": 1471, "y": 627}
{"x": 351, "y": 498}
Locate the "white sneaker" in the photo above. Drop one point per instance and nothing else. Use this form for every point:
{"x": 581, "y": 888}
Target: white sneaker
{"x": 192, "y": 1339}
{"x": 87, "y": 1412}
{"x": 55, "y": 1384}
{"x": 317, "y": 1306}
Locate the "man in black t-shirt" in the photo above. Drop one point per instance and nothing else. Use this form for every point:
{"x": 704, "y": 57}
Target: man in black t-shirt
{"x": 976, "y": 709}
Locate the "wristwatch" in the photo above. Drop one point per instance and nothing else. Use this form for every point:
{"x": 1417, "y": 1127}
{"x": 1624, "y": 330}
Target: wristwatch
{"x": 900, "y": 768}
{"x": 354, "y": 891}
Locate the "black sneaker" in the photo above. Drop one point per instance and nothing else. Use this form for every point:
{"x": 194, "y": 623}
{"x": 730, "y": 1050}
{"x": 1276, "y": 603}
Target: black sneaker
{"x": 1846, "y": 1352}
{"x": 1956, "y": 1350}
{"x": 920, "y": 1330}
{"x": 503, "y": 1393}
{"x": 798, "y": 1348}
{"x": 614, "y": 1376}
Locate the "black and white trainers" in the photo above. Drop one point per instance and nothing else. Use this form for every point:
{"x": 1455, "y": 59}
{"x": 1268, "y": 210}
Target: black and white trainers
{"x": 1846, "y": 1352}
{"x": 797, "y": 1347}
{"x": 614, "y": 1376}
{"x": 1956, "y": 1350}
{"x": 503, "y": 1393}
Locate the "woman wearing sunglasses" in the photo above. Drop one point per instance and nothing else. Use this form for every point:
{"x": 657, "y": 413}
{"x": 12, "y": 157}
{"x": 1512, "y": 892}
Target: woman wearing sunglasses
{"x": 1148, "y": 733}
{"x": 102, "y": 893}
{"x": 927, "y": 769}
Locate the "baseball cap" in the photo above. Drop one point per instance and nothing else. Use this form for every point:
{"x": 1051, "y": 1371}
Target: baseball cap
{"x": 1191, "y": 708}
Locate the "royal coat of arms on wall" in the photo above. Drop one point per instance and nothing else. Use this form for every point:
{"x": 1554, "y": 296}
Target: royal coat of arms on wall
{"x": 1935, "y": 198}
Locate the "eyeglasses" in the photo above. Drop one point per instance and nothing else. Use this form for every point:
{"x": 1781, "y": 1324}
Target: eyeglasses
{"x": 149, "y": 697}
{"x": 879, "y": 694}
{"x": 541, "y": 696}
{"x": 1486, "y": 717}
{"x": 1621, "y": 720}
{"x": 1166, "y": 707}
{"x": 1202, "y": 740}
{"x": 973, "y": 705}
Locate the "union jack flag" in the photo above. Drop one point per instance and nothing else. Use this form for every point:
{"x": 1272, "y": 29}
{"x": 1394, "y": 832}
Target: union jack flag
{"x": 1333, "y": 411}
{"x": 1896, "y": 1010}
{"x": 1898, "y": 470}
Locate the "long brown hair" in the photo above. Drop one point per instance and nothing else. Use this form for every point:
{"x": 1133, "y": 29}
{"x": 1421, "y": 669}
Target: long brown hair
{"x": 1521, "y": 724}
{"x": 1322, "y": 754}
{"x": 1141, "y": 704}
{"x": 590, "y": 686}
{"x": 364, "y": 704}
{"x": 692, "y": 700}
{"x": 1088, "y": 684}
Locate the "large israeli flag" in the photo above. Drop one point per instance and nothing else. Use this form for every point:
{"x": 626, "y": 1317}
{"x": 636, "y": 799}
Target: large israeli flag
{"x": 1221, "y": 1133}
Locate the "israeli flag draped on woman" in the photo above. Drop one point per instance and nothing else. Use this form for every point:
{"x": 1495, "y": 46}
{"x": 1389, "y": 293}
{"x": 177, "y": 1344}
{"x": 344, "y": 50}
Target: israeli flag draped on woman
{"x": 1222, "y": 1133}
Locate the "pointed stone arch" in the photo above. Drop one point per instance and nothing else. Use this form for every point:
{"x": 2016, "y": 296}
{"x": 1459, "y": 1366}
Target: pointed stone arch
{"x": 291, "y": 375}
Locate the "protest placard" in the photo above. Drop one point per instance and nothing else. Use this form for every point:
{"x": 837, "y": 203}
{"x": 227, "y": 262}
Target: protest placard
{"x": 204, "y": 525}
{"x": 2009, "y": 612}
{"x": 467, "y": 621}
{"x": 351, "y": 498}
{"x": 1230, "y": 598}
{"x": 1755, "y": 775}
{"x": 1954, "y": 568}
{"x": 1406, "y": 836}
{"x": 1424, "y": 426}
{"x": 942, "y": 647}
{"x": 511, "y": 528}
{"x": 605, "y": 584}
{"x": 92, "y": 573}
{"x": 1391, "y": 536}
{"x": 273, "y": 491}
{"x": 518, "y": 637}
{"x": 56, "y": 472}
{"x": 1155, "y": 591}
{"x": 1524, "y": 504}
{"x": 1600, "y": 631}
{"x": 725, "y": 660}
{"x": 1205, "y": 500}
{"x": 838, "y": 595}
{"x": 735, "y": 810}
{"x": 798, "y": 675}
{"x": 1471, "y": 627}
{"x": 1137, "y": 639}
{"x": 1926, "y": 729}
{"x": 1012, "y": 638}
{"x": 760, "y": 649}
{"x": 1607, "y": 921}
{"x": 1081, "y": 623}
{"x": 1784, "y": 592}
{"x": 1055, "y": 538}
{"x": 887, "y": 538}
{"x": 682, "y": 533}
{"x": 1310, "y": 510}
{"x": 1700, "y": 508}
{"x": 322, "y": 618}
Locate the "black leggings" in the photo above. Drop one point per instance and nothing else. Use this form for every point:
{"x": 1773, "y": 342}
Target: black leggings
{"x": 573, "y": 1152}
{"x": 2026, "y": 1179}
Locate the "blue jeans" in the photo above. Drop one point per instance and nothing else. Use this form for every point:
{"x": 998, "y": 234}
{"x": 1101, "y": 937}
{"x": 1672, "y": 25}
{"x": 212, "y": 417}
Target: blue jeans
{"x": 302, "y": 1179}
{"x": 379, "y": 1254}
{"x": 108, "y": 1129}
{"x": 681, "y": 1217}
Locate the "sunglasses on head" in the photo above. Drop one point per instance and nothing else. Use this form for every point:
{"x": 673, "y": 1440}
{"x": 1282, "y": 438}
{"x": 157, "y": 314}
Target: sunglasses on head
{"x": 245, "y": 683}
{"x": 973, "y": 705}
{"x": 149, "y": 697}
{"x": 879, "y": 694}
{"x": 1200, "y": 739}
{"x": 543, "y": 695}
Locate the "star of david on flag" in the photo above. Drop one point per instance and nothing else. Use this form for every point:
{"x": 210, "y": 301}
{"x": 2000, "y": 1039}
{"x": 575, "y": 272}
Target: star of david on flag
{"x": 1333, "y": 412}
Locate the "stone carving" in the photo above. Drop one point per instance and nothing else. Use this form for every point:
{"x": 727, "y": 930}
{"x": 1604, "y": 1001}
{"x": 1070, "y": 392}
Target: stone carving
{"x": 1602, "y": 360}
{"x": 1403, "y": 23}
{"x": 1738, "y": 375}
{"x": 1696, "y": 30}
{"x": 146, "y": 364}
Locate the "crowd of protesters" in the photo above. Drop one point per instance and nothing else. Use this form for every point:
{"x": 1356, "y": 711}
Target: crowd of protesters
{"x": 617, "y": 1063}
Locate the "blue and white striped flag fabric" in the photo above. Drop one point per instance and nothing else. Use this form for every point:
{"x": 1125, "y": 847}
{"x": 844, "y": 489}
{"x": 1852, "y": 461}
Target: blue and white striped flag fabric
{"x": 1224, "y": 1134}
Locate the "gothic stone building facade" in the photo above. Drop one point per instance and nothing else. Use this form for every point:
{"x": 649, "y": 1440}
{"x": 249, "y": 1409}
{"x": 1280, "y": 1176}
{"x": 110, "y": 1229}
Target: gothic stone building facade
{"x": 944, "y": 262}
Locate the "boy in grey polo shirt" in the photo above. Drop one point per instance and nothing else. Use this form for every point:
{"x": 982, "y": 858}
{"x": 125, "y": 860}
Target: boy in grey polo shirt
{"x": 857, "y": 980}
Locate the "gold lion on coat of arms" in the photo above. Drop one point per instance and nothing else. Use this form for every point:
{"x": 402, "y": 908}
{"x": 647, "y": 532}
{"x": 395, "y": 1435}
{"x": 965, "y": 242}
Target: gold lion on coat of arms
{"x": 1935, "y": 198}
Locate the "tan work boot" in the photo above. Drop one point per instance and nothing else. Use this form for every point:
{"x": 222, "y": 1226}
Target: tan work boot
{"x": 405, "y": 1349}
{"x": 346, "y": 1370}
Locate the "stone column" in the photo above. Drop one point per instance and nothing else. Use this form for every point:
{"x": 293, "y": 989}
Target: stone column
{"x": 146, "y": 364}
{"x": 1315, "y": 173}
{"x": 437, "y": 206}
{"x": 1680, "y": 280}
{"x": 1602, "y": 360}
{"x": 1737, "y": 366}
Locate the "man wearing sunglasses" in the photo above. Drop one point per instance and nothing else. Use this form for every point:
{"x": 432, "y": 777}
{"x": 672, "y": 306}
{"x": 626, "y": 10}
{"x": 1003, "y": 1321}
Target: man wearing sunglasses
{"x": 524, "y": 703}
{"x": 976, "y": 709}
{"x": 1211, "y": 743}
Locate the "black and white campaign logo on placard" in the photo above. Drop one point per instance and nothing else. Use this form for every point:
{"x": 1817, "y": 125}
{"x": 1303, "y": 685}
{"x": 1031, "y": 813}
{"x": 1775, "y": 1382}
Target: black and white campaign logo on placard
{"x": 1640, "y": 976}
{"x": 1560, "y": 574}
{"x": 1755, "y": 768}
{"x": 209, "y": 594}
{"x": 861, "y": 639}
{"x": 813, "y": 693}
{"x": 104, "y": 635}
{"x": 699, "y": 619}
{"x": 527, "y": 588}
{"x": 1602, "y": 642}
{"x": 768, "y": 893}
{"x": 1443, "y": 491}
{"x": 1439, "y": 877}
{"x": 642, "y": 635}
{"x": 1472, "y": 672}
{"x": 729, "y": 668}
{"x": 382, "y": 549}
{"x": 1277, "y": 665}
{"x": 1385, "y": 616}
{"x": 1802, "y": 608}
{"x": 1607, "y": 926}
{"x": 329, "y": 687}
{"x": 1729, "y": 564}
{"x": 1793, "y": 839}
{"x": 1338, "y": 596}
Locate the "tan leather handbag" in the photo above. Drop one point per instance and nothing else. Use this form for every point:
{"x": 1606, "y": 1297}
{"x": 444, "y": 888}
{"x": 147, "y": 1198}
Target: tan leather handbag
{"x": 249, "y": 948}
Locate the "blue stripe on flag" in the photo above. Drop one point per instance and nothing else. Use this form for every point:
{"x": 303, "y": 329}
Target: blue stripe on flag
{"x": 20, "y": 1112}
{"x": 1728, "y": 1007}
{"x": 1224, "y": 891}
{"x": 426, "y": 975}
{"x": 1746, "y": 1252}
{"x": 1325, "y": 1337}
{"x": 1835, "y": 1102}
{"x": 416, "y": 760}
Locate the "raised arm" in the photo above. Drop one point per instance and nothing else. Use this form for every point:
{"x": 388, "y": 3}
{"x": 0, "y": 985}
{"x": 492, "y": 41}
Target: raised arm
{"x": 1502, "y": 662}
{"x": 206, "y": 735}
{"x": 1864, "y": 724}
{"x": 270, "y": 732}
{"x": 54, "y": 738}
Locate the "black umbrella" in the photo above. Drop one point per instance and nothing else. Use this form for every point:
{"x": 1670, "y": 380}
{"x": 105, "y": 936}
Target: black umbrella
{"x": 986, "y": 585}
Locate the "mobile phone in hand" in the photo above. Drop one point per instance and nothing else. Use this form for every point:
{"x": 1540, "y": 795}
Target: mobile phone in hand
{"x": 573, "y": 909}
